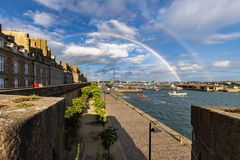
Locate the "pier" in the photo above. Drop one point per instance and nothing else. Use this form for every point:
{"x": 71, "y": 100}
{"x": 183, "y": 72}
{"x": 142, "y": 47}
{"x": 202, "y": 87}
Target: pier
{"x": 133, "y": 126}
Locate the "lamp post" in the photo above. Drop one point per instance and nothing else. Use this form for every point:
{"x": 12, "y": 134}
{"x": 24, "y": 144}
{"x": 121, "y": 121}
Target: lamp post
{"x": 154, "y": 130}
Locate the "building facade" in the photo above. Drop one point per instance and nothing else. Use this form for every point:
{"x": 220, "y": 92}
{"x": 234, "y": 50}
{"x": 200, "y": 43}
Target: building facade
{"x": 25, "y": 61}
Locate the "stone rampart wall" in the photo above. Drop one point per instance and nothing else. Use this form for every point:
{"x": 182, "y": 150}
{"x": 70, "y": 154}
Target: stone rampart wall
{"x": 216, "y": 133}
{"x": 35, "y": 132}
{"x": 45, "y": 91}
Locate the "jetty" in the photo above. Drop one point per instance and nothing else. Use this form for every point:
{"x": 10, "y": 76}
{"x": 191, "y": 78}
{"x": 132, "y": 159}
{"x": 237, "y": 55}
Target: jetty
{"x": 125, "y": 90}
{"x": 133, "y": 129}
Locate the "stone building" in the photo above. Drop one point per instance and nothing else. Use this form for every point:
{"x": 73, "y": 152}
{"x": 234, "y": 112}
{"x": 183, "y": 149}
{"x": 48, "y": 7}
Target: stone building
{"x": 76, "y": 74}
{"x": 68, "y": 76}
{"x": 15, "y": 66}
{"x": 21, "y": 38}
{"x": 56, "y": 72}
{"x": 25, "y": 60}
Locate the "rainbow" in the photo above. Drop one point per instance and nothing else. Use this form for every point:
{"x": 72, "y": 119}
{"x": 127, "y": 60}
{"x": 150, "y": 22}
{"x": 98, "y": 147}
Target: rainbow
{"x": 180, "y": 41}
{"x": 138, "y": 42}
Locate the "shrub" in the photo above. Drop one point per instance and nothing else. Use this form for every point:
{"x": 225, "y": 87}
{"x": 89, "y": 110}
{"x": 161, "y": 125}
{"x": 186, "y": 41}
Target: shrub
{"x": 91, "y": 90}
{"x": 98, "y": 104}
{"x": 102, "y": 116}
{"x": 80, "y": 103}
{"x": 24, "y": 105}
{"x": 23, "y": 99}
{"x": 71, "y": 116}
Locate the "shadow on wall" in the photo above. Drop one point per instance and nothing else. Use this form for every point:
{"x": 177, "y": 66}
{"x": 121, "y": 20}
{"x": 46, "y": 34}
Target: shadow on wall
{"x": 129, "y": 148}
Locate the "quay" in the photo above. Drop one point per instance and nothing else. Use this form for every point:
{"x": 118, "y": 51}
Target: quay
{"x": 133, "y": 126}
{"x": 129, "y": 90}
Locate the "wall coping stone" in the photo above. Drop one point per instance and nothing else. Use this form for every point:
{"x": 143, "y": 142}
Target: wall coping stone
{"x": 11, "y": 115}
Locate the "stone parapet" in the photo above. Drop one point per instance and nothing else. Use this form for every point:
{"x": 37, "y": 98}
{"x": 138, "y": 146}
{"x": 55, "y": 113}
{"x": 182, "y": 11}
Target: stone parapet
{"x": 45, "y": 91}
{"x": 35, "y": 132}
{"x": 215, "y": 134}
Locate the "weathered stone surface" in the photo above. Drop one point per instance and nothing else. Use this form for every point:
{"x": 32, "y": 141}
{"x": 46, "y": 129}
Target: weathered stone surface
{"x": 215, "y": 134}
{"x": 45, "y": 91}
{"x": 31, "y": 133}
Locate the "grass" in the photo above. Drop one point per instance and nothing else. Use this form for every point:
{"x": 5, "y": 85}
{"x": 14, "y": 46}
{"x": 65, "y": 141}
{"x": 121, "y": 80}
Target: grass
{"x": 232, "y": 110}
{"x": 77, "y": 156}
{"x": 2, "y": 106}
{"x": 24, "y": 99}
{"x": 24, "y": 105}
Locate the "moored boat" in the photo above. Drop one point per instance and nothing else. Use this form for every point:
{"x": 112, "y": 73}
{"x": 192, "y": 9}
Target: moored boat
{"x": 175, "y": 93}
{"x": 140, "y": 95}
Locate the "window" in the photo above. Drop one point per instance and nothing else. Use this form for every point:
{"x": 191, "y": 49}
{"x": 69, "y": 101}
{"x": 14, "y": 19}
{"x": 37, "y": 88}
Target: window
{"x": 1, "y": 63}
{"x": 26, "y": 68}
{"x": 1, "y": 83}
{"x": 1, "y": 43}
{"x": 15, "y": 83}
{"x": 15, "y": 66}
{"x": 26, "y": 82}
{"x": 41, "y": 72}
{"x": 35, "y": 70}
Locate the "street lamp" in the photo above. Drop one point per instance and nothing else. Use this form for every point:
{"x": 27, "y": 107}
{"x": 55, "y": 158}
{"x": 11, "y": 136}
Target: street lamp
{"x": 154, "y": 130}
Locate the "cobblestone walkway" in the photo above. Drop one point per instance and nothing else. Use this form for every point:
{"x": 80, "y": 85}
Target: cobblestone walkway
{"x": 133, "y": 135}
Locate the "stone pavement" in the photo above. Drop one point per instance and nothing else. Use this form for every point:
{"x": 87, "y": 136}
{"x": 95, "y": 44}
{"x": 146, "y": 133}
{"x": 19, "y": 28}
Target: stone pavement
{"x": 133, "y": 135}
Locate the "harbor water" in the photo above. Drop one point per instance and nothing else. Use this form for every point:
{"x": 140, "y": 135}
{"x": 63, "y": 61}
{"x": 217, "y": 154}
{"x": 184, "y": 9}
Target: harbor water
{"x": 175, "y": 112}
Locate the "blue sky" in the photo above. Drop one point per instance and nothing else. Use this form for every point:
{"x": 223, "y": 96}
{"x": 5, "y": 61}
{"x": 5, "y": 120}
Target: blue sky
{"x": 148, "y": 40}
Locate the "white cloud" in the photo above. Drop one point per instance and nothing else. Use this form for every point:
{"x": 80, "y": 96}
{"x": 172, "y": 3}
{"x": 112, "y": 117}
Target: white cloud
{"x": 41, "y": 18}
{"x": 221, "y": 64}
{"x": 198, "y": 17}
{"x": 136, "y": 59}
{"x": 98, "y": 8}
{"x": 109, "y": 50}
{"x": 221, "y": 38}
{"x": 53, "y": 4}
{"x": 75, "y": 50}
{"x": 54, "y": 38}
{"x": 188, "y": 67}
{"x": 58, "y": 46}
{"x": 114, "y": 26}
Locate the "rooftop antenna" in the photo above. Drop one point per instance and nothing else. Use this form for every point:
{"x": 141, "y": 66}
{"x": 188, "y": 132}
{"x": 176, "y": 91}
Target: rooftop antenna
{"x": 114, "y": 75}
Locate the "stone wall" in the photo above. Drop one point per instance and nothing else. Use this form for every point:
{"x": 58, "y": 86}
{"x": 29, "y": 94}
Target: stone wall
{"x": 36, "y": 132}
{"x": 31, "y": 133}
{"x": 216, "y": 133}
{"x": 45, "y": 91}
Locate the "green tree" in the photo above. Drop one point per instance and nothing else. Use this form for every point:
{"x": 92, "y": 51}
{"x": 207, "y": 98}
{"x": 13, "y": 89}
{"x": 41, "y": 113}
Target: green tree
{"x": 102, "y": 116}
{"x": 109, "y": 137}
{"x": 109, "y": 85}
